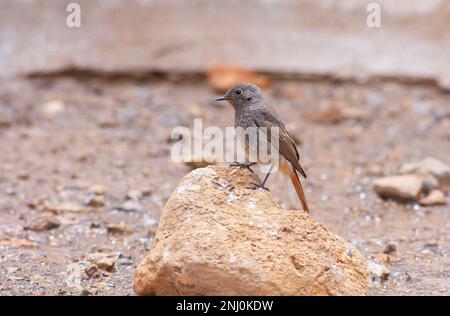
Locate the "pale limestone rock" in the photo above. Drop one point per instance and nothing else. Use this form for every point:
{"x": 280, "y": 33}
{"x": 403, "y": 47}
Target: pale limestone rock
{"x": 378, "y": 271}
{"x": 435, "y": 197}
{"x": 428, "y": 166}
{"x": 403, "y": 187}
{"x": 218, "y": 237}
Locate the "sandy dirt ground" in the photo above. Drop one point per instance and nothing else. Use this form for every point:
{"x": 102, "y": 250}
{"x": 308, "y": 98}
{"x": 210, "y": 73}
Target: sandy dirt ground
{"x": 85, "y": 171}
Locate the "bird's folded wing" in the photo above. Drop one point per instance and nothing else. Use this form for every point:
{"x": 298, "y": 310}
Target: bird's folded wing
{"x": 286, "y": 144}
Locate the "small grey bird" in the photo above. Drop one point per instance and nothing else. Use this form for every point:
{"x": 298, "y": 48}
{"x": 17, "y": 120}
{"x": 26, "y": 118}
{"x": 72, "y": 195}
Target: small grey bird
{"x": 251, "y": 110}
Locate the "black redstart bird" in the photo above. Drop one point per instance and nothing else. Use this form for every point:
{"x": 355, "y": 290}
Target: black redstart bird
{"x": 252, "y": 111}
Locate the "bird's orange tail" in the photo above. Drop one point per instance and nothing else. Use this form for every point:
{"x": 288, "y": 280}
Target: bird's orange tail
{"x": 299, "y": 189}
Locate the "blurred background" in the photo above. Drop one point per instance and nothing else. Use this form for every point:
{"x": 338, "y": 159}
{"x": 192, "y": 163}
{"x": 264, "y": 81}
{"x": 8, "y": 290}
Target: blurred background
{"x": 86, "y": 114}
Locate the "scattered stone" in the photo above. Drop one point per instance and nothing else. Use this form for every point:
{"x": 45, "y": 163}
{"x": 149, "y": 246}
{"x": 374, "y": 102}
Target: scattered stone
{"x": 134, "y": 195}
{"x": 98, "y": 189}
{"x": 354, "y": 113}
{"x": 381, "y": 257}
{"x": 93, "y": 271}
{"x": 146, "y": 191}
{"x": 95, "y": 201}
{"x": 406, "y": 277}
{"x": 431, "y": 246}
{"x": 146, "y": 172}
{"x": 199, "y": 161}
{"x": 5, "y": 123}
{"x": 378, "y": 271}
{"x": 43, "y": 222}
{"x": 435, "y": 197}
{"x": 96, "y": 287}
{"x": 73, "y": 278}
{"x": 22, "y": 175}
{"x": 198, "y": 164}
{"x": 426, "y": 166}
{"x": 83, "y": 158}
{"x": 107, "y": 122}
{"x": 390, "y": 248}
{"x": 375, "y": 170}
{"x": 12, "y": 270}
{"x": 53, "y": 108}
{"x": 10, "y": 191}
{"x": 129, "y": 206}
{"x": 209, "y": 244}
{"x": 118, "y": 229}
{"x": 335, "y": 114}
{"x": 65, "y": 207}
{"x": 403, "y": 187}
{"x": 223, "y": 78}
{"x": 18, "y": 243}
{"x": 95, "y": 225}
{"x": 119, "y": 163}
{"x": 124, "y": 261}
{"x": 32, "y": 204}
{"x": 106, "y": 263}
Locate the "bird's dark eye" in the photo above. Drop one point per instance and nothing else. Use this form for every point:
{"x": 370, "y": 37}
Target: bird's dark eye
{"x": 238, "y": 92}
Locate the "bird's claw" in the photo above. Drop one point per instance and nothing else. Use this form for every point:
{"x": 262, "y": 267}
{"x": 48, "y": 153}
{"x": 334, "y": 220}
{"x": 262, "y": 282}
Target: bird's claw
{"x": 243, "y": 165}
{"x": 257, "y": 186}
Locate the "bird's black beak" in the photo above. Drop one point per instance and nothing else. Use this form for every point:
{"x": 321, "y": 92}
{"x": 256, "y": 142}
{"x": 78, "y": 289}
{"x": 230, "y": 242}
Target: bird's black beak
{"x": 222, "y": 98}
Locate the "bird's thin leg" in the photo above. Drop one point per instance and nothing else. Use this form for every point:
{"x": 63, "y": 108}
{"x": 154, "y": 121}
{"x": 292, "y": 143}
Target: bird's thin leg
{"x": 262, "y": 185}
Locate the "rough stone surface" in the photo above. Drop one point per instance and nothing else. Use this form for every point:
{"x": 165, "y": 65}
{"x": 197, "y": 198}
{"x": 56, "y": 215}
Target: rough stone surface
{"x": 429, "y": 166}
{"x": 377, "y": 271}
{"x": 403, "y": 187}
{"x": 106, "y": 263}
{"x": 43, "y": 222}
{"x": 435, "y": 197}
{"x": 218, "y": 237}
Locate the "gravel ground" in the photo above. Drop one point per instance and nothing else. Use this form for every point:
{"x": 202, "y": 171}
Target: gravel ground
{"x": 85, "y": 171}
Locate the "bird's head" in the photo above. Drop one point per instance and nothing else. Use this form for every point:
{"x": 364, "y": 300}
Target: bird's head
{"x": 242, "y": 95}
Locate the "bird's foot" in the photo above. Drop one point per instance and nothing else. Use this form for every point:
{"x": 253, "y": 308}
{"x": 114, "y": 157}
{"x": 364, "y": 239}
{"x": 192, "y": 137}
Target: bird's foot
{"x": 243, "y": 165}
{"x": 257, "y": 186}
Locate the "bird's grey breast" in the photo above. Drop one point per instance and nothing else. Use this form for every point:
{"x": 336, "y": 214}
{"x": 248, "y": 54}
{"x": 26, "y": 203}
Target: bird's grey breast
{"x": 243, "y": 118}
